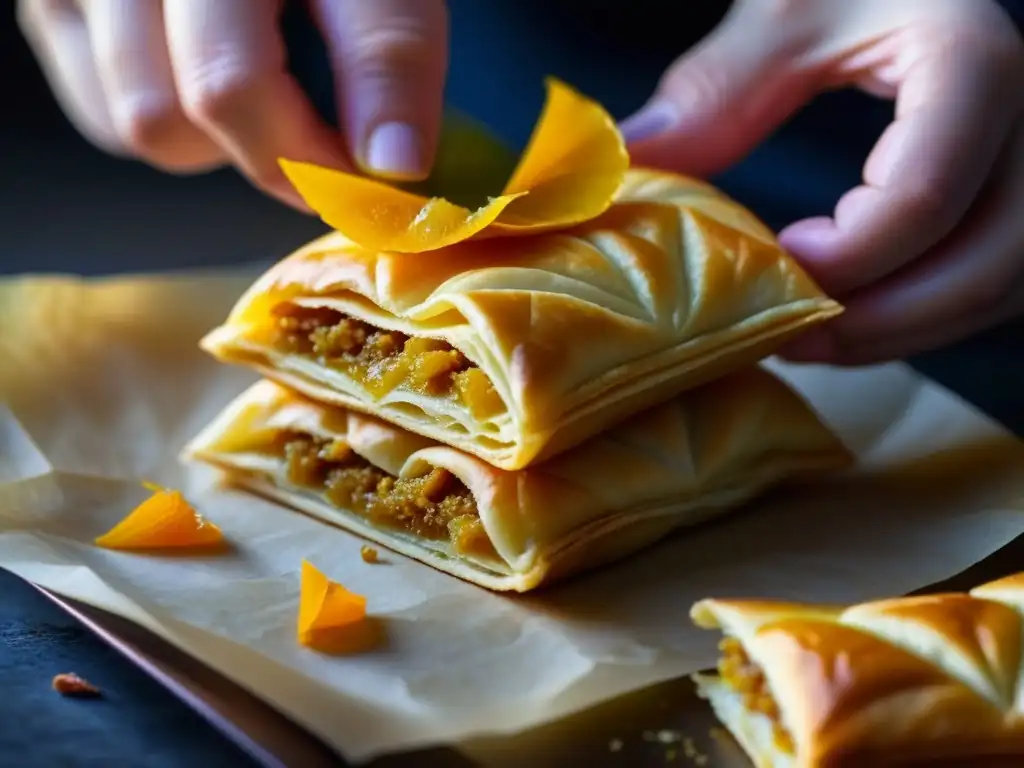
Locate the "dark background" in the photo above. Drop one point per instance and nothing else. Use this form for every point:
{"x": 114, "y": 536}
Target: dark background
{"x": 65, "y": 207}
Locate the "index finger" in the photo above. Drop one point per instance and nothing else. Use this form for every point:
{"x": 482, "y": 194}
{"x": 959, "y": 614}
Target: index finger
{"x": 230, "y": 68}
{"x": 954, "y": 110}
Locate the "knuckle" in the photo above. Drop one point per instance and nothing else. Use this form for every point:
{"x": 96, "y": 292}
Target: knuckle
{"x": 983, "y": 37}
{"x": 214, "y": 92}
{"x": 401, "y": 46}
{"x": 156, "y": 131}
{"x": 790, "y": 25}
{"x": 700, "y": 84}
{"x": 991, "y": 24}
{"x": 939, "y": 36}
{"x": 146, "y": 125}
{"x": 928, "y": 200}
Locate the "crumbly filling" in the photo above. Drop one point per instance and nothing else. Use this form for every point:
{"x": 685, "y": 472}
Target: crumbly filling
{"x": 740, "y": 673}
{"x": 434, "y": 506}
{"x": 383, "y": 360}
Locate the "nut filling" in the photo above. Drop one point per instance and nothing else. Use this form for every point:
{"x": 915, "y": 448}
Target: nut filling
{"x": 435, "y": 506}
{"x": 384, "y": 360}
{"x": 741, "y": 674}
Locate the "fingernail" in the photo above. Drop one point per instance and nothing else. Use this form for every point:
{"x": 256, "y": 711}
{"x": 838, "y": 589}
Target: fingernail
{"x": 395, "y": 150}
{"x": 653, "y": 119}
{"x": 810, "y": 238}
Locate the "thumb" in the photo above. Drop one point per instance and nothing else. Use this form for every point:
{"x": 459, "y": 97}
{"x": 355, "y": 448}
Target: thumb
{"x": 719, "y": 100}
{"x": 389, "y": 59}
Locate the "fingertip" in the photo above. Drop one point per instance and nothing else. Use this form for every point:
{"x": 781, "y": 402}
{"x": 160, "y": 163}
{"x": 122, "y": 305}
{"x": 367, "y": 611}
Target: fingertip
{"x": 651, "y": 121}
{"x": 823, "y": 250}
{"x": 809, "y": 238}
{"x": 390, "y": 59}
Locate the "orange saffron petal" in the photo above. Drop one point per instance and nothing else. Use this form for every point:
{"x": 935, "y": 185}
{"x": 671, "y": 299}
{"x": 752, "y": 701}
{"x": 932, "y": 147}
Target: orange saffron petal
{"x": 163, "y": 521}
{"x": 575, "y": 162}
{"x": 385, "y": 218}
{"x": 327, "y": 611}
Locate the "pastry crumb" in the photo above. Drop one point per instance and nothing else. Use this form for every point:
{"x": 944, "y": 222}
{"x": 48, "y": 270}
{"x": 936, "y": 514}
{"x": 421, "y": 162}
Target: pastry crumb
{"x": 692, "y": 753}
{"x": 369, "y": 554}
{"x": 615, "y": 745}
{"x": 71, "y": 685}
{"x": 670, "y": 739}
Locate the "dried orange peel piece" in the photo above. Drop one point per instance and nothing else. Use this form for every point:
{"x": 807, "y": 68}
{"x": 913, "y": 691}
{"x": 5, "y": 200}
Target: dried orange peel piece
{"x": 572, "y": 167}
{"x": 163, "y": 521}
{"x": 331, "y": 619}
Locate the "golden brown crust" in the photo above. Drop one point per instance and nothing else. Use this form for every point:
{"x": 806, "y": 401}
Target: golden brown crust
{"x": 905, "y": 679}
{"x": 676, "y": 464}
{"x": 673, "y": 286}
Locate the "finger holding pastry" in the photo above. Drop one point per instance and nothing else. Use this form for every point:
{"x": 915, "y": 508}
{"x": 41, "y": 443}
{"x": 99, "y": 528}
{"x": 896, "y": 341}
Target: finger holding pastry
{"x": 926, "y": 250}
{"x": 660, "y": 281}
{"x": 192, "y": 85}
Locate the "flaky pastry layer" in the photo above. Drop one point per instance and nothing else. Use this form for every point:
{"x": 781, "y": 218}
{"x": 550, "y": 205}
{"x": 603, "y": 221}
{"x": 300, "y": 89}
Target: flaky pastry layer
{"x": 681, "y": 462}
{"x": 567, "y": 333}
{"x": 924, "y": 680}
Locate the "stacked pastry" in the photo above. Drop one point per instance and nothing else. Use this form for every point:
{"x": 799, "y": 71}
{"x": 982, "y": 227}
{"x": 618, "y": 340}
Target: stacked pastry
{"x": 525, "y": 390}
{"x": 924, "y": 680}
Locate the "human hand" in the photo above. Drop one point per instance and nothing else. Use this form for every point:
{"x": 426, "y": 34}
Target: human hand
{"x": 930, "y": 248}
{"x": 189, "y": 85}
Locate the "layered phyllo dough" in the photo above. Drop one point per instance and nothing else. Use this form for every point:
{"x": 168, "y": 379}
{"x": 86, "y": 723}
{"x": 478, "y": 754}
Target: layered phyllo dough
{"x": 924, "y": 680}
{"x": 683, "y": 461}
{"x": 516, "y": 349}
{"x": 581, "y": 294}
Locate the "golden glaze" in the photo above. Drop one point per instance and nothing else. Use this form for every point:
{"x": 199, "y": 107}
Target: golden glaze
{"x": 577, "y": 330}
{"x": 890, "y": 680}
{"x": 984, "y": 634}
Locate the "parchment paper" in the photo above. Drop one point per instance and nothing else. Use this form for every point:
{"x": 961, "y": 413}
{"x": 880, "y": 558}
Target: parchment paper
{"x": 103, "y": 384}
